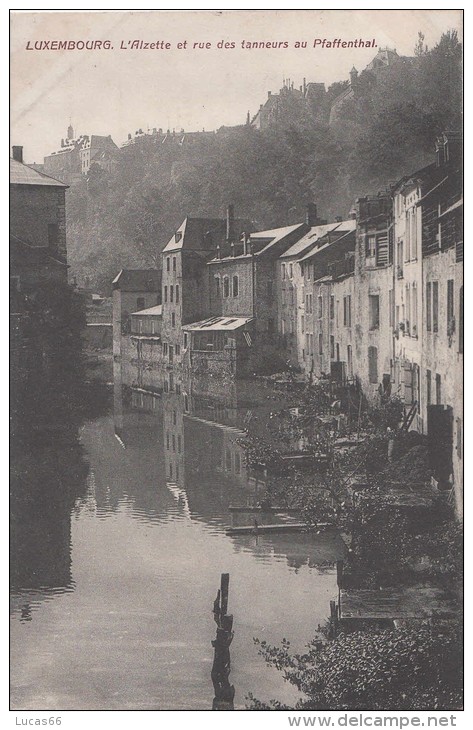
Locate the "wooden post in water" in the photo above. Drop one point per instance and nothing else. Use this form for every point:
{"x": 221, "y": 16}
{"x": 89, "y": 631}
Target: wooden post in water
{"x": 224, "y": 691}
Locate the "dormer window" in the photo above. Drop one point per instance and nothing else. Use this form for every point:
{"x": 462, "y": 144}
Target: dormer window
{"x": 177, "y": 236}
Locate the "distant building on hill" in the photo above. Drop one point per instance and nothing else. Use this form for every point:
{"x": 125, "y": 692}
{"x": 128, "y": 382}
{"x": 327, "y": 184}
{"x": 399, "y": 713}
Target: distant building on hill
{"x": 77, "y": 154}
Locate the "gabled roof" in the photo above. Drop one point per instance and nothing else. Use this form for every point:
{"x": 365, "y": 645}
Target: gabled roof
{"x": 138, "y": 280}
{"x": 21, "y": 174}
{"x": 314, "y": 235}
{"x": 204, "y": 234}
{"x": 156, "y": 311}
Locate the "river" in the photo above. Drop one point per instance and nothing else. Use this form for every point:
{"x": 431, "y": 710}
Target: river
{"x": 117, "y": 550}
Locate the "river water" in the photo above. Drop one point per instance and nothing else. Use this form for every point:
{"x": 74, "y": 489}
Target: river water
{"x": 117, "y": 550}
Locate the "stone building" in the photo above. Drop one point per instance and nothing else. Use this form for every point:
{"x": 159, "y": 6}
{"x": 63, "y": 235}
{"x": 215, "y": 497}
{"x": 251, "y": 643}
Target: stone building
{"x": 244, "y": 284}
{"x": 186, "y": 287}
{"x": 76, "y": 155}
{"x": 373, "y": 294}
{"x": 441, "y": 402}
{"x": 37, "y": 229}
{"x": 134, "y": 290}
{"x": 327, "y": 316}
{"x": 290, "y": 285}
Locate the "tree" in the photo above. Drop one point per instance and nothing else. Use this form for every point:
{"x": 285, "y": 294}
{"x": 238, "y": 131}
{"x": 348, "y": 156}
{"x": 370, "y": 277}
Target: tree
{"x": 411, "y": 668}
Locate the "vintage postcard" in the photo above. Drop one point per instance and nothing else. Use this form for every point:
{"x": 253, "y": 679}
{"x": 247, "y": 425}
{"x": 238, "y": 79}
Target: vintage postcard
{"x": 236, "y": 322}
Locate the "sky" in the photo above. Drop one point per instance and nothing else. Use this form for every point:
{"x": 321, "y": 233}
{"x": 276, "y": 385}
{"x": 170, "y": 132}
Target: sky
{"x": 118, "y": 91}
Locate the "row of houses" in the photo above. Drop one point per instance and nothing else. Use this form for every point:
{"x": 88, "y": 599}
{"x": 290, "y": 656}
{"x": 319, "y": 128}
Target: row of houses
{"x": 376, "y": 300}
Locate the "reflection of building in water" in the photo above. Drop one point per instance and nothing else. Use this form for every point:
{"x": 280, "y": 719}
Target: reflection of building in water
{"x": 44, "y": 486}
{"x": 173, "y": 433}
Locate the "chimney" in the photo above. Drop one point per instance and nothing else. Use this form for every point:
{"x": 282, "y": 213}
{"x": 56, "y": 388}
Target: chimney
{"x": 338, "y": 218}
{"x": 230, "y": 223}
{"x": 269, "y": 94}
{"x": 311, "y": 215}
{"x": 17, "y": 153}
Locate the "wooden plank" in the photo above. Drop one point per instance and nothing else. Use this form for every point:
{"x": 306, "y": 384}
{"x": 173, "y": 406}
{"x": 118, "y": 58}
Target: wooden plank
{"x": 285, "y": 527}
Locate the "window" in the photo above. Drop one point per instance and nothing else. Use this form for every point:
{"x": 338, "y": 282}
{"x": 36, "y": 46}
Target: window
{"x": 302, "y": 323}
{"x": 140, "y": 326}
{"x": 174, "y": 263}
{"x": 391, "y": 307}
{"x": 173, "y": 319}
{"x": 53, "y": 236}
{"x": 337, "y": 352}
{"x": 174, "y": 418}
{"x": 332, "y": 347}
{"x": 153, "y": 327}
{"x": 332, "y": 307}
{"x": 179, "y": 443}
{"x": 290, "y": 271}
{"x": 413, "y": 233}
{"x": 235, "y": 286}
{"x": 414, "y": 325}
{"x": 168, "y": 263}
{"x": 177, "y": 349}
{"x": 167, "y": 440}
{"x": 283, "y": 327}
{"x": 371, "y": 247}
{"x": 450, "y": 305}
{"x": 186, "y": 340}
{"x": 177, "y": 293}
{"x": 373, "y": 364}
{"x": 173, "y": 443}
{"x": 171, "y": 353}
{"x": 171, "y": 293}
{"x": 226, "y": 286}
{"x": 283, "y": 271}
{"x": 373, "y": 300}
{"x": 310, "y": 303}
{"x": 217, "y": 285}
{"x": 178, "y": 389}
{"x": 171, "y": 382}
{"x": 429, "y": 387}
{"x": 165, "y": 294}
{"x": 270, "y": 326}
{"x": 311, "y": 344}
{"x": 347, "y": 310}
{"x": 166, "y": 386}
{"x": 435, "y": 306}
{"x": 438, "y": 389}
{"x": 307, "y": 343}
{"x": 140, "y": 303}
{"x": 165, "y": 349}
{"x": 321, "y": 344}
{"x": 400, "y": 259}
{"x": 428, "y": 300}
{"x": 308, "y": 267}
{"x": 320, "y": 307}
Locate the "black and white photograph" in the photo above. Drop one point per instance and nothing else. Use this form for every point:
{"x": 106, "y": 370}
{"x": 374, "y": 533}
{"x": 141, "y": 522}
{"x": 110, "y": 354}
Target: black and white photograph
{"x": 236, "y": 364}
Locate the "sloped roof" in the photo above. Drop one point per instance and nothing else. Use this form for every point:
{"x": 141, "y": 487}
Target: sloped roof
{"x": 313, "y": 237}
{"x": 138, "y": 280}
{"x": 203, "y": 234}
{"x": 213, "y": 324}
{"x": 156, "y": 311}
{"x": 21, "y": 174}
{"x": 344, "y": 240}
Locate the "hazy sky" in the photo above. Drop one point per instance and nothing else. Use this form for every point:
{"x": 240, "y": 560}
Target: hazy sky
{"x": 118, "y": 91}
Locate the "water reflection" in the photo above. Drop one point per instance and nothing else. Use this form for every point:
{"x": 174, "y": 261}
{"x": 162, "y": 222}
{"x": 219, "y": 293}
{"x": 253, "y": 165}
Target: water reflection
{"x": 129, "y": 538}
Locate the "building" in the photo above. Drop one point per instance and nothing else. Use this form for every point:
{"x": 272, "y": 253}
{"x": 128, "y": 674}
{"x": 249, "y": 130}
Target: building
{"x": 373, "y": 295}
{"x": 327, "y": 319}
{"x": 282, "y": 106}
{"x": 244, "y": 286}
{"x": 38, "y": 253}
{"x": 187, "y": 295}
{"x": 77, "y": 154}
{"x": 134, "y": 290}
{"x": 441, "y": 401}
{"x": 290, "y": 286}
